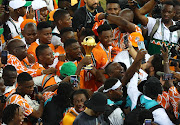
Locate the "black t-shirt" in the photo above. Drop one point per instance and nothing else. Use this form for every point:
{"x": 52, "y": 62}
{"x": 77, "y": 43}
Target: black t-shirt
{"x": 83, "y": 18}
{"x": 84, "y": 119}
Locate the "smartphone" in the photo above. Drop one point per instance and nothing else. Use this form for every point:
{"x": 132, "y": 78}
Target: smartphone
{"x": 74, "y": 80}
{"x": 4, "y": 55}
{"x": 38, "y": 15}
{"x": 140, "y": 44}
{"x": 168, "y": 76}
{"x": 147, "y": 121}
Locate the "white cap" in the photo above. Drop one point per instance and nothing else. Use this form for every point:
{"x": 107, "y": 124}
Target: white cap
{"x": 38, "y": 4}
{"x": 15, "y": 4}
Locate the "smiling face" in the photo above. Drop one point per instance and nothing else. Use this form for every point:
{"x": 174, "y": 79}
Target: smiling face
{"x": 45, "y": 35}
{"x": 106, "y": 38}
{"x": 78, "y": 101}
{"x": 19, "y": 117}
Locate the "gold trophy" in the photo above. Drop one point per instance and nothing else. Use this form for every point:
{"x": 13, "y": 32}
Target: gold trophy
{"x": 88, "y": 44}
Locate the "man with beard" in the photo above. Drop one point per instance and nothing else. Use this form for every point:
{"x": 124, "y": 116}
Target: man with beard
{"x": 162, "y": 34}
{"x": 84, "y": 16}
{"x": 18, "y": 58}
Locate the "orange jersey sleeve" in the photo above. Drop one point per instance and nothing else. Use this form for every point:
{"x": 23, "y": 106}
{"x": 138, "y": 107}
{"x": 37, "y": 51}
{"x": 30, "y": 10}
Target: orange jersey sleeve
{"x": 19, "y": 100}
{"x": 12, "y": 60}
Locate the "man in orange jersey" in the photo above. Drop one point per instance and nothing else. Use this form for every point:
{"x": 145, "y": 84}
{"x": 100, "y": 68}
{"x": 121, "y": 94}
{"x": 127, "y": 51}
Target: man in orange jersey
{"x": 17, "y": 57}
{"x": 29, "y": 33}
{"x": 44, "y": 35}
{"x": 102, "y": 51}
{"x": 73, "y": 54}
{"x": 125, "y": 26}
{"x": 26, "y": 87}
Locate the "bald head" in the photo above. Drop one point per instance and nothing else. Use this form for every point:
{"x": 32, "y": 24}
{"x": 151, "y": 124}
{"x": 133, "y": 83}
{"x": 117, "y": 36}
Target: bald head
{"x": 127, "y": 14}
{"x": 30, "y": 25}
{"x": 17, "y": 48}
{"x": 12, "y": 44}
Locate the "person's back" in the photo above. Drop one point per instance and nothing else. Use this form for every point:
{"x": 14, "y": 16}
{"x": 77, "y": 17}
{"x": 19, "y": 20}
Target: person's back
{"x": 54, "y": 110}
{"x": 150, "y": 90}
{"x": 85, "y": 119}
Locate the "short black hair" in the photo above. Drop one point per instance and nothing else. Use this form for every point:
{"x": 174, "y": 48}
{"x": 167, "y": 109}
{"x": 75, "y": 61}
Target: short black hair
{"x": 59, "y": 14}
{"x": 137, "y": 117}
{"x": 110, "y": 82}
{"x": 79, "y": 91}
{"x": 152, "y": 87}
{"x": 9, "y": 113}
{"x": 112, "y": 1}
{"x": 23, "y": 77}
{"x": 87, "y": 32}
{"x": 40, "y": 49}
{"x": 123, "y": 65}
{"x": 132, "y": 118}
{"x": 66, "y": 29}
{"x": 104, "y": 27}
{"x": 169, "y": 3}
{"x": 157, "y": 63}
{"x": 69, "y": 42}
{"x": 8, "y": 68}
{"x": 43, "y": 25}
{"x": 29, "y": 25}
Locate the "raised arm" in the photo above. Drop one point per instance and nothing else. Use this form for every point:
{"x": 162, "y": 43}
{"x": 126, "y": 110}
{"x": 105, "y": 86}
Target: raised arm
{"x": 148, "y": 7}
{"x": 123, "y": 23}
{"x": 134, "y": 67}
{"x": 142, "y": 18}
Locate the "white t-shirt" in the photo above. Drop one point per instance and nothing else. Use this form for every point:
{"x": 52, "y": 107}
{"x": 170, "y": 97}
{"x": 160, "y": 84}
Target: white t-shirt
{"x": 15, "y": 28}
{"x": 159, "y": 114}
{"x": 55, "y": 39}
{"x": 158, "y": 34}
{"x": 38, "y": 80}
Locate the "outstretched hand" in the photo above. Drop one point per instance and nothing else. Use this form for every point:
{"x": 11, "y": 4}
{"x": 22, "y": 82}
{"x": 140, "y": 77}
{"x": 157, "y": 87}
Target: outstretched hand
{"x": 140, "y": 55}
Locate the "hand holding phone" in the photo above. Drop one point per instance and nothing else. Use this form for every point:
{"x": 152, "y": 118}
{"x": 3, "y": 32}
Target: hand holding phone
{"x": 74, "y": 80}
{"x": 168, "y": 76}
{"x": 4, "y": 55}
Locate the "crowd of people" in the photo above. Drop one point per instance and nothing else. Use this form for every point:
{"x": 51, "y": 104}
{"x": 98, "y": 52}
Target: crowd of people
{"x": 90, "y": 62}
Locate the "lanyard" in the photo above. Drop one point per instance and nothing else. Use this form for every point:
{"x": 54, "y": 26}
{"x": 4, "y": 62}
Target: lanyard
{"x": 89, "y": 14}
{"x": 162, "y": 30}
{"x": 108, "y": 55}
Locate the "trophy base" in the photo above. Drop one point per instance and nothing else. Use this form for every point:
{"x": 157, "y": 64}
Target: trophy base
{"x": 88, "y": 67}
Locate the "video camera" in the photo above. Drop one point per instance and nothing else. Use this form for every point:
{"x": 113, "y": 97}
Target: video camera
{"x": 175, "y": 27}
